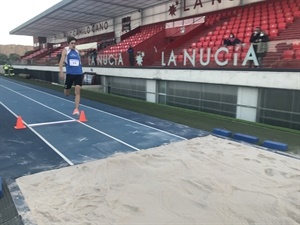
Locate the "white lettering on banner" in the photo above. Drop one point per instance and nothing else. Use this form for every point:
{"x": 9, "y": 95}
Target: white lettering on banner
{"x": 219, "y": 63}
{"x": 205, "y": 61}
{"x": 120, "y": 61}
{"x": 198, "y": 3}
{"x": 162, "y": 58}
{"x": 110, "y": 59}
{"x": 207, "y": 55}
{"x": 191, "y": 59}
{"x": 250, "y": 56}
{"x": 172, "y": 59}
{"x": 87, "y": 31}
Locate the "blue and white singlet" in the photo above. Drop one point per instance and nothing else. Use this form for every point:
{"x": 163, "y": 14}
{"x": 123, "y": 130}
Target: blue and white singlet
{"x": 73, "y": 62}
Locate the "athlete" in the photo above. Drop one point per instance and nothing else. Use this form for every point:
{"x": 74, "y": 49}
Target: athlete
{"x": 74, "y": 74}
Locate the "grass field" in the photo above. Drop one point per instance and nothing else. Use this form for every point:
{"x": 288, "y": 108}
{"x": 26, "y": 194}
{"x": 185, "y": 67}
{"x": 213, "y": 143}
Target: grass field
{"x": 196, "y": 119}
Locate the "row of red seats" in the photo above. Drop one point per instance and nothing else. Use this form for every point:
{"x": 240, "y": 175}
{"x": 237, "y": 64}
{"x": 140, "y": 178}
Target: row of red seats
{"x": 272, "y": 24}
{"x": 291, "y": 54}
{"x": 296, "y": 46}
{"x": 232, "y": 49}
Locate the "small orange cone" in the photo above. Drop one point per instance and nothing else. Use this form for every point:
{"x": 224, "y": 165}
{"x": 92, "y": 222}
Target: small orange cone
{"x": 82, "y": 117}
{"x": 19, "y": 124}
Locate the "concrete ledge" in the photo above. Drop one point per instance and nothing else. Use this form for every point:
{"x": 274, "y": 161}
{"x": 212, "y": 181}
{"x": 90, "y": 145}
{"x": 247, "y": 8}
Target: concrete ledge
{"x": 221, "y": 132}
{"x": 246, "y": 138}
{"x": 275, "y": 145}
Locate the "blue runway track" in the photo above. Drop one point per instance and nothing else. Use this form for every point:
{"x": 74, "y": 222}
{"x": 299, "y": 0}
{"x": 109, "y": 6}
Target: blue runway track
{"x": 54, "y": 138}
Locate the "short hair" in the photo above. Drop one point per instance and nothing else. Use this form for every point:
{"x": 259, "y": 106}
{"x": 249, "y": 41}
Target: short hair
{"x": 71, "y": 39}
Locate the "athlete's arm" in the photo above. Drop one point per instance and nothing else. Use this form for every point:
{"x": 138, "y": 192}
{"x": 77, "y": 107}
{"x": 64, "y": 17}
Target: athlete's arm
{"x": 61, "y": 63}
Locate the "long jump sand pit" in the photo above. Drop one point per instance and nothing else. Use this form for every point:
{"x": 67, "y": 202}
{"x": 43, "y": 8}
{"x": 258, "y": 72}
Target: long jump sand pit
{"x": 206, "y": 180}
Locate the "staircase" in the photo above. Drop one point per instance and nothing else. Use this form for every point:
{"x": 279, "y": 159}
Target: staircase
{"x": 292, "y": 31}
{"x": 281, "y": 43}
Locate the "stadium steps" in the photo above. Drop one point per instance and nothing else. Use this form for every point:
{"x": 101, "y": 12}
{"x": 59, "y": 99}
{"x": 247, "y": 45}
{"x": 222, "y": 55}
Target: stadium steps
{"x": 291, "y": 32}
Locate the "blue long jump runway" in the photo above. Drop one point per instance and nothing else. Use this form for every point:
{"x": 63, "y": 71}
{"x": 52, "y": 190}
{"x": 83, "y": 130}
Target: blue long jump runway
{"x": 50, "y": 118}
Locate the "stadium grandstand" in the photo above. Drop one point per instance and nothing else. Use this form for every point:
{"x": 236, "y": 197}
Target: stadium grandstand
{"x": 179, "y": 52}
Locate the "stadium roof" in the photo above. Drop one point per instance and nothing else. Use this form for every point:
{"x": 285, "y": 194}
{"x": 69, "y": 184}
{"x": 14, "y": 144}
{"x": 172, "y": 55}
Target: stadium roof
{"x": 69, "y": 15}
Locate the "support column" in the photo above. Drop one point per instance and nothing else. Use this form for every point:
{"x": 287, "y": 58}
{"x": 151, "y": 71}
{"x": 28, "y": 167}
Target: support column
{"x": 151, "y": 89}
{"x": 247, "y": 104}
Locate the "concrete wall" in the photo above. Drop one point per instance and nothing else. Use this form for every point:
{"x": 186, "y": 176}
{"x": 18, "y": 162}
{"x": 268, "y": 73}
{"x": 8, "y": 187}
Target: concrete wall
{"x": 265, "y": 79}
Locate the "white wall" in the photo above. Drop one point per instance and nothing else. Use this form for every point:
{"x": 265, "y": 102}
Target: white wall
{"x": 268, "y": 79}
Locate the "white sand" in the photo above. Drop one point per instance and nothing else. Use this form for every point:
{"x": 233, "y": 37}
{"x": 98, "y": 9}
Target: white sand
{"x": 207, "y": 180}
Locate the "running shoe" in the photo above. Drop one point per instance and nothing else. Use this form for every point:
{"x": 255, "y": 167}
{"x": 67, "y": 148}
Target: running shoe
{"x": 76, "y": 112}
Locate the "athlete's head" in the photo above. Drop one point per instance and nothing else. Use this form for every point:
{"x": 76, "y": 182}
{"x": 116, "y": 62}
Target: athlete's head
{"x": 72, "y": 42}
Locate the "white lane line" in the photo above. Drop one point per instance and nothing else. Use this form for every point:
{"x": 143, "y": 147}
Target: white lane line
{"x": 132, "y": 121}
{"x": 99, "y": 131}
{"x": 50, "y": 123}
{"x": 41, "y": 137}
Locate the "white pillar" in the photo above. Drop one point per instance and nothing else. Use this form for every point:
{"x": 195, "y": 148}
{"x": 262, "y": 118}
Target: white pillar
{"x": 247, "y": 103}
{"x": 151, "y": 90}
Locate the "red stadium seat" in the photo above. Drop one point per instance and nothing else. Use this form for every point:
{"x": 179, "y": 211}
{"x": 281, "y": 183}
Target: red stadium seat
{"x": 288, "y": 54}
{"x": 281, "y": 20}
{"x": 230, "y": 48}
{"x": 265, "y": 27}
{"x": 229, "y": 56}
{"x": 218, "y": 42}
{"x": 213, "y": 38}
{"x": 179, "y": 58}
{"x": 296, "y": 13}
{"x": 199, "y": 44}
{"x": 272, "y": 21}
{"x": 220, "y": 37}
{"x": 273, "y": 26}
{"x": 234, "y": 31}
{"x": 214, "y": 49}
{"x": 297, "y": 54}
{"x": 211, "y": 44}
{"x": 241, "y": 36}
{"x": 210, "y": 33}
{"x": 273, "y": 33}
{"x": 216, "y": 32}
{"x": 221, "y": 56}
{"x": 193, "y": 45}
{"x": 205, "y": 44}
{"x": 289, "y": 19}
{"x": 248, "y": 29}
{"x": 296, "y": 46}
{"x": 281, "y": 26}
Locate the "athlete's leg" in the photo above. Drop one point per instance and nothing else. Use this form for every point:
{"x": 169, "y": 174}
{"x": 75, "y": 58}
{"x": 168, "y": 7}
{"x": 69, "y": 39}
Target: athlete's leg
{"x": 77, "y": 96}
{"x": 68, "y": 85}
{"x": 78, "y": 84}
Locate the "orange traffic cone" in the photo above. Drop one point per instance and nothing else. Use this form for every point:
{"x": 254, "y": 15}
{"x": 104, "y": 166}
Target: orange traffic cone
{"x": 19, "y": 124}
{"x": 82, "y": 117}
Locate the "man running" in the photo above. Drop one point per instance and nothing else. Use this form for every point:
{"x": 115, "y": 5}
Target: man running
{"x": 74, "y": 74}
